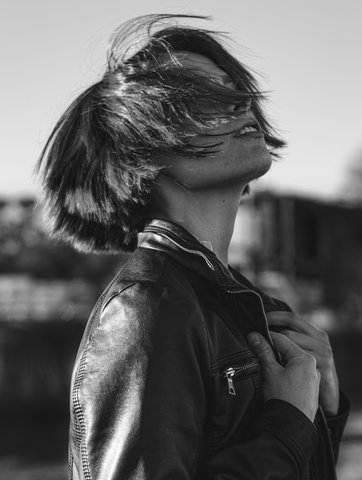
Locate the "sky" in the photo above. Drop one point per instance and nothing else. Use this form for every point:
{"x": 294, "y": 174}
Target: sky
{"x": 308, "y": 54}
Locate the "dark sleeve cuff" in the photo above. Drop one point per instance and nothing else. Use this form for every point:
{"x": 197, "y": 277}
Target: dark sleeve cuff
{"x": 337, "y": 423}
{"x": 291, "y": 427}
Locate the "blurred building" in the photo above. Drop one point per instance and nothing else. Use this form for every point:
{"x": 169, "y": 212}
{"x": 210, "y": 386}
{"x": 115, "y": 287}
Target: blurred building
{"x": 307, "y": 252}
{"x": 24, "y": 298}
{"x": 43, "y": 279}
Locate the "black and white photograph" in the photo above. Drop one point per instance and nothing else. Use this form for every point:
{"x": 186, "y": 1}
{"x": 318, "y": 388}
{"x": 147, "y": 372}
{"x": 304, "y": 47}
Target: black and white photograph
{"x": 181, "y": 240}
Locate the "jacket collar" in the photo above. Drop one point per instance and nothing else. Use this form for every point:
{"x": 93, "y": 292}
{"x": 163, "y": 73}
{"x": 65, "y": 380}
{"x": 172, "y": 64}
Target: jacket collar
{"x": 169, "y": 237}
{"x": 185, "y": 248}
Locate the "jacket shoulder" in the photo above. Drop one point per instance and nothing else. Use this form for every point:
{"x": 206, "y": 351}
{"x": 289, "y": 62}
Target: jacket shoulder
{"x": 148, "y": 267}
{"x": 144, "y": 351}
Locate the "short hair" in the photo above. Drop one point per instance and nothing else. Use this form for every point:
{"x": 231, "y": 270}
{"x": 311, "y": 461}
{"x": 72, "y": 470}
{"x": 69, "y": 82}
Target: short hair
{"x": 96, "y": 168}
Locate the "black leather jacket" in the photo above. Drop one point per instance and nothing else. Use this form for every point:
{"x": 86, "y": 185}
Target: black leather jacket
{"x": 165, "y": 386}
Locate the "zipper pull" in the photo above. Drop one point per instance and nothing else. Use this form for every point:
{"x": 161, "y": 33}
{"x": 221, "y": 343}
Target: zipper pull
{"x": 229, "y": 373}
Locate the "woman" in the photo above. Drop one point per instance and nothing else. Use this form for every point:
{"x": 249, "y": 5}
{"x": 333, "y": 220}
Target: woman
{"x": 178, "y": 375}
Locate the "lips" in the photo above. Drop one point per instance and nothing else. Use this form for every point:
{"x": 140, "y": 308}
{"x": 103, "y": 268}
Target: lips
{"x": 245, "y": 124}
{"x": 249, "y": 125}
{"x": 247, "y": 130}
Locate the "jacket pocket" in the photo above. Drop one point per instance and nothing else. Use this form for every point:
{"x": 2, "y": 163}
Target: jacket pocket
{"x": 232, "y": 373}
{"x": 235, "y": 401}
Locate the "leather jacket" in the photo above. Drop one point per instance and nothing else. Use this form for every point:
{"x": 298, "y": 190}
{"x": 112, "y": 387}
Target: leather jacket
{"x": 165, "y": 386}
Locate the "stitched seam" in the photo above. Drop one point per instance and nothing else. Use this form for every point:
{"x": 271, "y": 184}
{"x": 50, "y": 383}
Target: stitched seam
{"x": 78, "y": 412}
{"x": 206, "y": 449}
{"x": 297, "y": 413}
{"x": 286, "y": 439}
{"x": 80, "y": 429}
{"x": 98, "y": 306}
{"x": 70, "y": 465}
{"x": 204, "y": 314}
{"x": 189, "y": 299}
{"x": 300, "y": 415}
{"x": 116, "y": 295}
{"x": 236, "y": 357}
{"x": 257, "y": 401}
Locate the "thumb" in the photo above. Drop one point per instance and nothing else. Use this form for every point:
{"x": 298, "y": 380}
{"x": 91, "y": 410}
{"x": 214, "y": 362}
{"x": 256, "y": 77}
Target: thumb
{"x": 261, "y": 348}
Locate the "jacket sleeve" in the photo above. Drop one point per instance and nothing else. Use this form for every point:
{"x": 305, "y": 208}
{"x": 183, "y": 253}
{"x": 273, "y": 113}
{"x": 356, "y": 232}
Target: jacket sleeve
{"x": 279, "y": 446}
{"x": 336, "y": 424}
{"x": 140, "y": 395}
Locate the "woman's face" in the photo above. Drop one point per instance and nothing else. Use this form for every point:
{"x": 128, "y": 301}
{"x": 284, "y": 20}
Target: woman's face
{"x": 243, "y": 155}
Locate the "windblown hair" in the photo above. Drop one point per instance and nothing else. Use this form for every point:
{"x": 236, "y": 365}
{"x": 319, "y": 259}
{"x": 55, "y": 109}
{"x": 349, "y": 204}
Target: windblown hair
{"x": 96, "y": 167}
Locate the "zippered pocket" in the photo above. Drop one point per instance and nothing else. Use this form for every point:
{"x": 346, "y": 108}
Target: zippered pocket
{"x": 231, "y": 373}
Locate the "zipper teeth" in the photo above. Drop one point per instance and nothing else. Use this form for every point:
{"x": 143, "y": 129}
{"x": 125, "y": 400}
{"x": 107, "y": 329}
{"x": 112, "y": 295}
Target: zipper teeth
{"x": 237, "y": 370}
{"x": 234, "y": 360}
{"x": 210, "y": 265}
{"x": 263, "y": 309}
{"x": 308, "y": 472}
{"x": 80, "y": 430}
{"x": 194, "y": 252}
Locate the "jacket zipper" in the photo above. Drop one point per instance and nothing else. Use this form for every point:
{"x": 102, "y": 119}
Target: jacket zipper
{"x": 188, "y": 250}
{"x": 165, "y": 234}
{"x": 264, "y": 317}
{"x": 231, "y": 371}
{"x": 211, "y": 266}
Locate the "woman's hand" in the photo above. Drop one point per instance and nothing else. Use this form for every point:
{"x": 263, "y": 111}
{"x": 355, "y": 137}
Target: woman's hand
{"x": 296, "y": 382}
{"x": 316, "y": 342}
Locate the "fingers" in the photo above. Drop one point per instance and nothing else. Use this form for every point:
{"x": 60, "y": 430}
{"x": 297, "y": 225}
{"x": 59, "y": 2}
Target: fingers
{"x": 303, "y": 341}
{"x": 308, "y": 337}
{"x": 262, "y": 349}
{"x": 293, "y": 321}
{"x": 288, "y": 349}
{"x": 287, "y": 319}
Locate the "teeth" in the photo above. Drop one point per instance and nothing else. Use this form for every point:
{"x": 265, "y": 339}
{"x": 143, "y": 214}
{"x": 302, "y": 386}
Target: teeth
{"x": 247, "y": 130}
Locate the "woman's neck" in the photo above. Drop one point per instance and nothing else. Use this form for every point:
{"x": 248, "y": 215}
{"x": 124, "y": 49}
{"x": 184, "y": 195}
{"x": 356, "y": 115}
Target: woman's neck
{"x": 208, "y": 215}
